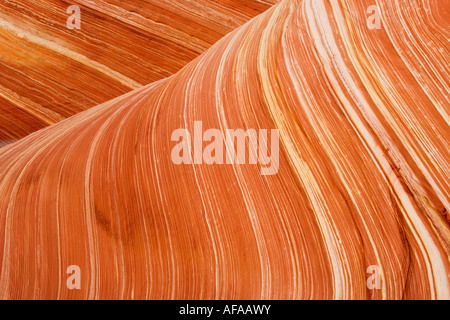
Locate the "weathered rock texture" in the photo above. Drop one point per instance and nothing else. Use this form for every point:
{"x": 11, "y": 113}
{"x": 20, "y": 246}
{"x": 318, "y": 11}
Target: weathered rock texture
{"x": 49, "y": 72}
{"x": 362, "y": 180}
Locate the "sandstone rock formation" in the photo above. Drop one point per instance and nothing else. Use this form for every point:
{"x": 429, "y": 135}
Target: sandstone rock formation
{"x": 49, "y": 72}
{"x": 363, "y": 170}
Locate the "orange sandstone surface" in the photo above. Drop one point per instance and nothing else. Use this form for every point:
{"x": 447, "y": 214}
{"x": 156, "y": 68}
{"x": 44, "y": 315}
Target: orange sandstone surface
{"x": 363, "y": 171}
{"x": 49, "y": 72}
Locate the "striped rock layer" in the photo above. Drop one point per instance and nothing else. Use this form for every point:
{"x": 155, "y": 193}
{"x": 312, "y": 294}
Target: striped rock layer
{"x": 363, "y": 172}
{"x": 49, "y": 72}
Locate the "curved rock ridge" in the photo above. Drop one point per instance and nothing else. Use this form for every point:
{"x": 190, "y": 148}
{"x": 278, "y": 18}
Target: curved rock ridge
{"x": 362, "y": 185}
{"x": 50, "y": 72}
